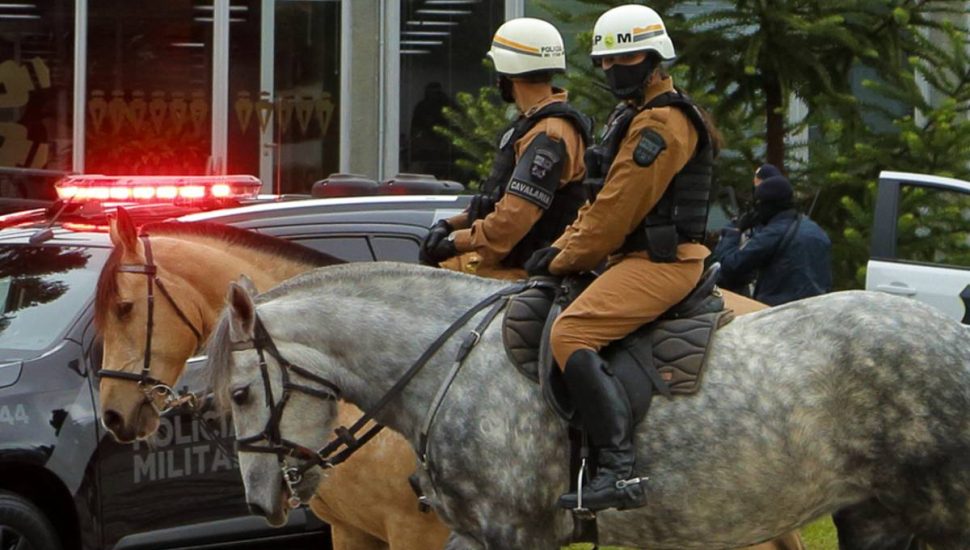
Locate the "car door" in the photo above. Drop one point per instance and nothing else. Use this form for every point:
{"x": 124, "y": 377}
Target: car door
{"x": 921, "y": 241}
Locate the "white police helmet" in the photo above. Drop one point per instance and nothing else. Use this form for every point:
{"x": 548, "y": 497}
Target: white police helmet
{"x": 527, "y": 45}
{"x": 629, "y": 29}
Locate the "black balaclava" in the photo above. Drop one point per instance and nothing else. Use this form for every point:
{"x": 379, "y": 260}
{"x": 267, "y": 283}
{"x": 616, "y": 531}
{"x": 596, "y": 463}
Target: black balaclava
{"x": 504, "y": 85}
{"x": 772, "y": 196}
{"x": 764, "y": 172}
{"x": 627, "y": 81}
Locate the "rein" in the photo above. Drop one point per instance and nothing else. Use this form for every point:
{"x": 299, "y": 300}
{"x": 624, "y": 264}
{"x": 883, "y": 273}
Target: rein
{"x": 328, "y": 456}
{"x": 152, "y": 387}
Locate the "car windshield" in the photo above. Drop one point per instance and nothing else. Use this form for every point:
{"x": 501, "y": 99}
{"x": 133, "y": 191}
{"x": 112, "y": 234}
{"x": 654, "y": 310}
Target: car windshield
{"x": 42, "y": 289}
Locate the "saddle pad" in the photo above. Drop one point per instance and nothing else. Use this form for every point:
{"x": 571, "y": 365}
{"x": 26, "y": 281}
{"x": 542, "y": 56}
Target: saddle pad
{"x": 666, "y": 356}
{"x": 680, "y": 349}
{"x": 522, "y": 326}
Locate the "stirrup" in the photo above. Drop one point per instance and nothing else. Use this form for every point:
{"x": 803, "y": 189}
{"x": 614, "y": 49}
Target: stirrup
{"x": 580, "y": 512}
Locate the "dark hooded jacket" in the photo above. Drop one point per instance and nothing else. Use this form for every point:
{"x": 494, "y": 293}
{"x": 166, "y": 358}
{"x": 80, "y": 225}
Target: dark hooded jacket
{"x": 790, "y": 256}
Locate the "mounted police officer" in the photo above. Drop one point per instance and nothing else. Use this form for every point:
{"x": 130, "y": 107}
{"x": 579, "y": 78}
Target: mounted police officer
{"x": 535, "y": 186}
{"x": 648, "y": 221}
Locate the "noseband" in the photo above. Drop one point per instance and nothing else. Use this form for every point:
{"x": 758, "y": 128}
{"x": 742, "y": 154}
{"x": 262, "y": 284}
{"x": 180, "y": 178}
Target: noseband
{"x": 152, "y": 387}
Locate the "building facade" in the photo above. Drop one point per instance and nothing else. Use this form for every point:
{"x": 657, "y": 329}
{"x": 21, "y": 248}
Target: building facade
{"x": 288, "y": 90}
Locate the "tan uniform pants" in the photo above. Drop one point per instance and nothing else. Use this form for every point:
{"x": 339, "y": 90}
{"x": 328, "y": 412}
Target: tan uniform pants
{"x": 624, "y": 298}
{"x": 471, "y": 263}
{"x": 628, "y": 295}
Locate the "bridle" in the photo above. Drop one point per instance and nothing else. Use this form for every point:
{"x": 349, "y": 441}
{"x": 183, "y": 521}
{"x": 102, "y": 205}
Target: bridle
{"x": 152, "y": 387}
{"x": 270, "y": 441}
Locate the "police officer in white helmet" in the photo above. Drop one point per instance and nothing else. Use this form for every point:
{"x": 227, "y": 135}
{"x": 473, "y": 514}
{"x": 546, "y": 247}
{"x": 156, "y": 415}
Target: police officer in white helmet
{"x": 653, "y": 171}
{"x": 535, "y": 186}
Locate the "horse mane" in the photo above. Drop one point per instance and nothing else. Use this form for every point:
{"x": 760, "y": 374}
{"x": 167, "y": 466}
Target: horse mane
{"x": 107, "y": 289}
{"x": 361, "y": 278}
{"x": 219, "y": 362}
{"x": 352, "y": 279}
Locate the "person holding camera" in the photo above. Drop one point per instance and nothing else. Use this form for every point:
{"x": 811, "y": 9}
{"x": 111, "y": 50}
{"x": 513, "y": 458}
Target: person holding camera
{"x": 785, "y": 255}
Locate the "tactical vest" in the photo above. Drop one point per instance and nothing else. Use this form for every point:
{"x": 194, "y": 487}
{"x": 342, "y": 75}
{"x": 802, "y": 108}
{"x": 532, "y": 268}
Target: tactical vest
{"x": 566, "y": 201}
{"x": 681, "y": 213}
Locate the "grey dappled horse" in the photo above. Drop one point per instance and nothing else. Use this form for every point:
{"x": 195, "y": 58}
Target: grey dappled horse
{"x": 853, "y": 399}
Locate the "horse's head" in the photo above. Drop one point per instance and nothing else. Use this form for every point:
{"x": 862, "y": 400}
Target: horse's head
{"x": 149, "y": 332}
{"x": 281, "y": 413}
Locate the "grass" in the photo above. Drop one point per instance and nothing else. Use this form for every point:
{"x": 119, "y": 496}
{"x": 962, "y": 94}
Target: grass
{"x": 817, "y": 536}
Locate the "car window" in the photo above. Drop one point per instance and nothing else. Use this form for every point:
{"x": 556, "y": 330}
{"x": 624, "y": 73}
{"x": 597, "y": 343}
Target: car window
{"x": 42, "y": 289}
{"x": 933, "y": 226}
{"x": 395, "y": 249}
{"x": 351, "y": 249}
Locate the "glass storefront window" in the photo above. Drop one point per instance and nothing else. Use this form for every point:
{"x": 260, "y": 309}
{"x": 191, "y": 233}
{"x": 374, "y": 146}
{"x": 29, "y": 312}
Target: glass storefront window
{"x": 149, "y": 84}
{"x": 443, "y": 45}
{"x": 294, "y": 126}
{"x": 36, "y": 91}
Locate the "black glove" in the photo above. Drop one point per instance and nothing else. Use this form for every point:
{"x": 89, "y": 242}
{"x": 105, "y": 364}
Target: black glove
{"x": 480, "y": 206}
{"x": 436, "y": 235}
{"x": 746, "y": 221}
{"x": 538, "y": 263}
{"x": 442, "y": 251}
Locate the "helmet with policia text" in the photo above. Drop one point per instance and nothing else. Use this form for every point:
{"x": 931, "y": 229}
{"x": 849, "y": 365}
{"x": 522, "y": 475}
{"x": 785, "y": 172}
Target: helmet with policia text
{"x": 629, "y": 29}
{"x": 526, "y": 46}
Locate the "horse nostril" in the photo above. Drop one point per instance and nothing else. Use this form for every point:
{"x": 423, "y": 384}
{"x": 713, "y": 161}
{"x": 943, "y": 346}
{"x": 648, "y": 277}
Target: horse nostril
{"x": 114, "y": 422}
{"x": 256, "y": 510}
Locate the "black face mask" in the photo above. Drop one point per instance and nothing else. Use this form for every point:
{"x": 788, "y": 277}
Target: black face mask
{"x": 504, "y": 85}
{"x": 626, "y": 81}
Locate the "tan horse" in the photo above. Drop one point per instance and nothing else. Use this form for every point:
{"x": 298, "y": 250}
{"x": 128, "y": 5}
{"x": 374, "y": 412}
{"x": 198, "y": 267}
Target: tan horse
{"x": 367, "y": 500}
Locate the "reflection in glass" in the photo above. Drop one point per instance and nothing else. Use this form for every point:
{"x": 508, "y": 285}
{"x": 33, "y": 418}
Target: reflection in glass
{"x": 297, "y": 126}
{"x": 42, "y": 290}
{"x": 36, "y": 90}
{"x": 933, "y": 226}
{"x": 149, "y": 82}
{"x": 441, "y": 54}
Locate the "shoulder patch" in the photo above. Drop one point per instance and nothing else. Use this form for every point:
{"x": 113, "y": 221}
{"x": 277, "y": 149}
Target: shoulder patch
{"x": 650, "y": 146}
{"x": 544, "y": 160}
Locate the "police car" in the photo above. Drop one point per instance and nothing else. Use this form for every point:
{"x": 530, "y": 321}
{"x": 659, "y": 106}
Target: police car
{"x": 64, "y": 482}
{"x": 921, "y": 241}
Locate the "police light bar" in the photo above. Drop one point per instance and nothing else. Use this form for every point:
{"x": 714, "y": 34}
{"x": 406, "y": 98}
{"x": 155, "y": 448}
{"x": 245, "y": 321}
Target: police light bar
{"x": 157, "y": 189}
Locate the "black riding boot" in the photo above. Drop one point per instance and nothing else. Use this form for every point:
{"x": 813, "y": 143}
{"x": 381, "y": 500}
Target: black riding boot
{"x": 605, "y": 413}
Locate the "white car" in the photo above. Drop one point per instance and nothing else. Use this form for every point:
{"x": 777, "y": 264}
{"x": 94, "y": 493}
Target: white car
{"x": 921, "y": 241}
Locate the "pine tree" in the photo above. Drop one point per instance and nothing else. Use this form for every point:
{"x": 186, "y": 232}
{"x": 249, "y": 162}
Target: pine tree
{"x": 845, "y": 164}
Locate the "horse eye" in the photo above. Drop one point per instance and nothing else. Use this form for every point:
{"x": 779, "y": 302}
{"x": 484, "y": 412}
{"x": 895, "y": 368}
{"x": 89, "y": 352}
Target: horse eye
{"x": 240, "y": 396}
{"x": 124, "y": 309}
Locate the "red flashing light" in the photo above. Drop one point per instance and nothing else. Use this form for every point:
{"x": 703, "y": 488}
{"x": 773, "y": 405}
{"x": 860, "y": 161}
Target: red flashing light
{"x": 86, "y": 227}
{"x": 157, "y": 189}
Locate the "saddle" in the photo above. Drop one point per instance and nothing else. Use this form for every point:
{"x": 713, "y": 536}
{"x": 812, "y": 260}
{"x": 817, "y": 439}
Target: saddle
{"x": 666, "y": 355}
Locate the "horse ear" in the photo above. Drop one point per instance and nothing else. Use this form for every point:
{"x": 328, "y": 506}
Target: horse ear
{"x": 123, "y": 233}
{"x": 247, "y": 284}
{"x": 242, "y": 313}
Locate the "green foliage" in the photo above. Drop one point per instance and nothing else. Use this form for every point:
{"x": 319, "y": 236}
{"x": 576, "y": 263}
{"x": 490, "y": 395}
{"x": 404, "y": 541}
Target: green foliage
{"x": 744, "y": 60}
{"x": 474, "y": 128}
{"x": 845, "y": 162}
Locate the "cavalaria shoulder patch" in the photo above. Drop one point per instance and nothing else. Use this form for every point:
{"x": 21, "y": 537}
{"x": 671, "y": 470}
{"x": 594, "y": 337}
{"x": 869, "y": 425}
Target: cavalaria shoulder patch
{"x": 650, "y": 145}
